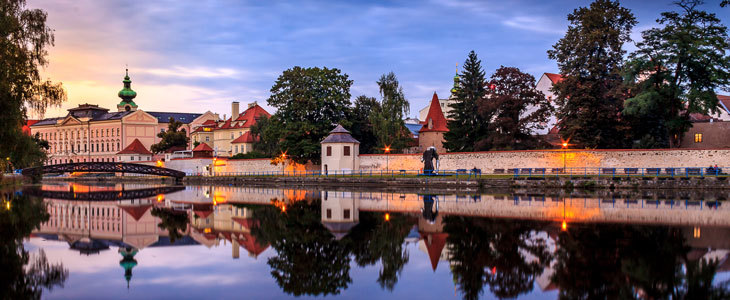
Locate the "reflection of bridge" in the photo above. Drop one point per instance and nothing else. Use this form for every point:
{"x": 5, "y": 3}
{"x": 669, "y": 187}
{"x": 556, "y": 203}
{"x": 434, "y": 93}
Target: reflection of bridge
{"x": 105, "y": 195}
{"x": 110, "y": 167}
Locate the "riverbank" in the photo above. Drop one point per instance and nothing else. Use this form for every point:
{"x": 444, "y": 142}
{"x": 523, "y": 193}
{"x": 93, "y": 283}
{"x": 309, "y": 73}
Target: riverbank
{"x": 447, "y": 183}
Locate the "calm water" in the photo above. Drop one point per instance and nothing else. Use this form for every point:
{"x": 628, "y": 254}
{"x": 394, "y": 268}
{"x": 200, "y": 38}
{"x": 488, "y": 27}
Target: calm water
{"x": 76, "y": 241}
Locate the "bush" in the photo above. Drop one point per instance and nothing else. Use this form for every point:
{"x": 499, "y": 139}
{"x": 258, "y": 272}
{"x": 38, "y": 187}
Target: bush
{"x": 250, "y": 155}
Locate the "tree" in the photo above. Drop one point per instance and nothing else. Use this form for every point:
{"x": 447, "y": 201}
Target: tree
{"x": 362, "y": 128}
{"x": 173, "y": 137}
{"x": 25, "y": 39}
{"x": 467, "y": 126}
{"x": 677, "y": 69}
{"x": 269, "y": 134}
{"x": 590, "y": 57}
{"x": 309, "y": 102}
{"x": 517, "y": 109}
{"x": 388, "y": 125}
{"x": 175, "y": 222}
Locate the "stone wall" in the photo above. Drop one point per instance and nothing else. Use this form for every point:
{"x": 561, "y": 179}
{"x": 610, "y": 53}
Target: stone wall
{"x": 488, "y": 161}
{"x": 223, "y": 166}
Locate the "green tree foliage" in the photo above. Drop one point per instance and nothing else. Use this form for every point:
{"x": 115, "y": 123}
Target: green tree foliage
{"x": 24, "y": 275}
{"x": 173, "y": 137}
{"x": 467, "y": 126}
{"x": 309, "y": 101}
{"x": 388, "y": 125}
{"x": 269, "y": 131}
{"x": 27, "y": 151}
{"x": 362, "y": 128}
{"x": 590, "y": 58}
{"x": 516, "y": 108}
{"x": 24, "y": 39}
{"x": 676, "y": 71}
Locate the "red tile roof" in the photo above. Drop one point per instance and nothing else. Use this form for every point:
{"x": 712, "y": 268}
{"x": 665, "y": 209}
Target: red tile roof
{"x": 435, "y": 243}
{"x": 246, "y": 137}
{"x": 555, "y": 78}
{"x": 26, "y": 127}
{"x": 724, "y": 100}
{"x": 246, "y": 119}
{"x": 208, "y": 122}
{"x": 137, "y": 212}
{"x": 135, "y": 147}
{"x": 202, "y": 147}
{"x": 436, "y": 115}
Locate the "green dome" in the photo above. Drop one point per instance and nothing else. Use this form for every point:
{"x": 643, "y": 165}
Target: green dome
{"x": 127, "y": 94}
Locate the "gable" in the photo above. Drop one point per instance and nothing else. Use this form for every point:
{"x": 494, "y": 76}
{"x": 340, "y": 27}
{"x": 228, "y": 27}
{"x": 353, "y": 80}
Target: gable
{"x": 70, "y": 120}
{"x": 139, "y": 116}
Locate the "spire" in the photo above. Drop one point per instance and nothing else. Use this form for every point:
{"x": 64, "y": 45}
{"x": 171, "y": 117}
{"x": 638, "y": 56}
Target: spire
{"x": 127, "y": 94}
{"x": 128, "y": 262}
{"x": 456, "y": 81}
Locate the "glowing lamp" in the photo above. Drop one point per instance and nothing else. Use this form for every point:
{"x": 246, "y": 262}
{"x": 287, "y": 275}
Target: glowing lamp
{"x": 387, "y": 217}
{"x": 564, "y": 226}
{"x": 565, "y": 144}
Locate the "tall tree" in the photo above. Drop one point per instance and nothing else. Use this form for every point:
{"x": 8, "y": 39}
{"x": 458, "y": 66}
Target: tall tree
{"x": 388, "y": 124}
{"x": 24, "y": 39}
{"x": 467, "y": 126}
{"x": 362, "y": 128}
{"x": 517, "y": 110}
{"x": 590, "y": 58}
{"x": 309, "y": 101}
{"x": 677, "y": 69}
{"x": 269, "y": 132}
{"x": 173, "y": 137}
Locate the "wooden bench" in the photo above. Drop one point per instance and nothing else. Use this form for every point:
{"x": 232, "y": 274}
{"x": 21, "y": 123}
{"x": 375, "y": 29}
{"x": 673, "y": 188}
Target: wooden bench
{"x": 557, "y": 170}
{"x": 498, "y": 171}
{"x": 539, "y": 171}
{"x": 608, "y": 170}
{"x": 670, "y": 171}
{"x": 629, "y": 171}
{"x": 526, "y": 171}
{"x": 693, "y": 171}
{"x": 653, "y": 171}
{"x": 512, "y": 171}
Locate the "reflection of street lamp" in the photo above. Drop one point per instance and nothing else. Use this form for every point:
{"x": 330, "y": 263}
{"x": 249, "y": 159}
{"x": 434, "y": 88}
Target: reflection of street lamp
{"x": 564, "y": 225}
{"x": 387, "y": 158}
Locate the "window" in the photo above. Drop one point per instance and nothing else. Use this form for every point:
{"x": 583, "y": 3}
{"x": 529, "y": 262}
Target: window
{"x": 207, "y": 139}
{"x": 698, "y": 138}
{"x": 329, "y": 213}
{"x": 131, "y": 158}
{"x": 347, "y": 151}
{"x": 329, "y": 150}
{"x": 346, "y": 214}
{"x": 231, "y": 135}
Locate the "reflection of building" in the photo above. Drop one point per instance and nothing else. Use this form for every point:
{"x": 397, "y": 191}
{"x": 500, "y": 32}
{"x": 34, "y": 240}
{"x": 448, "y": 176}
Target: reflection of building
{"x": 92, "y": 133}
{"x": 340, "y": 212}
{"x": 213, "y": 224}
{"x": 128, "y": 262}
{"x": 433, "y": 239}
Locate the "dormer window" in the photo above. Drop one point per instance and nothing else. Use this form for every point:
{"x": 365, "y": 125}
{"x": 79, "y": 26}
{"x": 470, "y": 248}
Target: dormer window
{"x": 430, "y": 123}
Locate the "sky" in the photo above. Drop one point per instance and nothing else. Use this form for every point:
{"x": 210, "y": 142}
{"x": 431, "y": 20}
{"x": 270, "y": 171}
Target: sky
{"x": 195, "y": 56}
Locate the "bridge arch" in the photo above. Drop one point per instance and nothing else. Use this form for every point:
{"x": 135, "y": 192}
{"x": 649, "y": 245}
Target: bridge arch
{"x": 110, "y": 167}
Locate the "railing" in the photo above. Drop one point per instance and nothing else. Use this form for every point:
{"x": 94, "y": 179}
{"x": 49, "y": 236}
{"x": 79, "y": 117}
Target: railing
{"x": 670, "y": 172}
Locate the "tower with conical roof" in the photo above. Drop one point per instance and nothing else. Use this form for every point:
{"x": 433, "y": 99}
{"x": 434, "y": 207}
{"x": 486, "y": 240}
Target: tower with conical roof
{"x": 127, "y": 95}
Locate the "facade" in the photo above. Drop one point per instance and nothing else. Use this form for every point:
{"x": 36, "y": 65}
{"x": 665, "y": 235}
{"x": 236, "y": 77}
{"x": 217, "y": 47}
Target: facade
{"x": 433, "y": 128}
{"x": 340, "y": 151}
{"x": 230, "y": 136}
{"x": 544, "y": 84}
{"x": 135, "y": 152}
{"x": 89, "y": 133}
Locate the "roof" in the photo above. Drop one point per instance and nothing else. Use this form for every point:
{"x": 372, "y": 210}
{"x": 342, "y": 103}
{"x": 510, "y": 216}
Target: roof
{"x": 202, "y": 147}
{"x": 246, "y": 119}
{"x": 555, "y": 78}
{"x": 436, "y": 116}
{"x": 135, "y": 147}
{"x": 26, "y": 127}
{"x": 414, "y": 128}
{"x": 164, "y": 117}
{"x": 435, "y": 243}
{"x": 246, "y": 137}
{"x": 339, "y": 135}
{"x": 137, "y": 212}
{"x": 724, "y": 102}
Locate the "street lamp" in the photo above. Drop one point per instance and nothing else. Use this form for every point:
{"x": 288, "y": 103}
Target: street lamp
{"x": 387, "y": 157}
{"x": 565, "y": 149}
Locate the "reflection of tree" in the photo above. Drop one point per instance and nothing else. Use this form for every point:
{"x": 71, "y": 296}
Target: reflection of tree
{"x": 619, "y": 261}
{"x": 175, "y": 222}
{"x": 23, "y": 276}
{"x": 309, "y": 260}
{"x": 375, "y": 239}
{"x": 500, "y": 253}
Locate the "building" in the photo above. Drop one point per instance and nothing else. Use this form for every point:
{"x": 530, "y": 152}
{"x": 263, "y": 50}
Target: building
{"x": 445, "y": 104}
{"x": 544, "y": 85}
{"x": 230, "y": 136}
{"x": 433, "y": 127}
{"x": 340, "y": 151}
{"x": 90, "y": 133}
{"x": 135, "y": 152}
{"x": 710, "y": 131}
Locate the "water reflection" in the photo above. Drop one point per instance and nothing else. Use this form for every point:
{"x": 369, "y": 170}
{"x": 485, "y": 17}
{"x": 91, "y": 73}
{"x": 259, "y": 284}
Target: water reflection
{"x": 24, "y": 276}
{"x": 501, "y": 245}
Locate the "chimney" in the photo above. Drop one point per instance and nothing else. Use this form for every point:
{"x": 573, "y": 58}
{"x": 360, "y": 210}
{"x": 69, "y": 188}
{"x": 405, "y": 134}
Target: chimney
{"x": 234, "y": 110}
{"x": 252, "y": 104}
{"x": 217, "y": 117}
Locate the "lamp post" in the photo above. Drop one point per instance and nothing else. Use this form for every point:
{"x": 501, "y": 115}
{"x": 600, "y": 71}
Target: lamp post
{"x": 387, "y": 158}
{"x": 565, "y": 149}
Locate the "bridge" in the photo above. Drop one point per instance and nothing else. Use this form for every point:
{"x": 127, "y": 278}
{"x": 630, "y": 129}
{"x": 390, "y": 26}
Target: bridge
{"x": 105, "y": 167}
{"x": 104, "y": 195}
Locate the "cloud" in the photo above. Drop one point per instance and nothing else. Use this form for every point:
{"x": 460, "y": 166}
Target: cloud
{"x": 196, "y": 72}
{"x": 535, "y": 24}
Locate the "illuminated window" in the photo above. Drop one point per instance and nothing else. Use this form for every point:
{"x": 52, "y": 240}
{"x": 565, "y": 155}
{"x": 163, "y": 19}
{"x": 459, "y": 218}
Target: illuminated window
{"x": 698, "y": 138}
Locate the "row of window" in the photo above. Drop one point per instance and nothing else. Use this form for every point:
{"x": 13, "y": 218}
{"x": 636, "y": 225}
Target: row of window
{"x": 345, "y": 151}
{"x": 67, "y": 161}
{"x": 98, "y": 147}
{"x": 77, "y": 134}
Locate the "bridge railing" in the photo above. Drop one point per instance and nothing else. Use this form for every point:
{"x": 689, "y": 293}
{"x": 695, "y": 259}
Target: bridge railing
{"x": 600, "y": 172}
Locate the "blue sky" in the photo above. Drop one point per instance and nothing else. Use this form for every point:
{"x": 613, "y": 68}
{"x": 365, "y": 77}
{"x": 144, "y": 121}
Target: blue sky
{"x": 193, "y": 56}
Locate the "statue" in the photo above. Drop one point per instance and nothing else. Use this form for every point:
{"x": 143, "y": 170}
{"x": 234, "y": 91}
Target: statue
{"x": 427, "y": 160}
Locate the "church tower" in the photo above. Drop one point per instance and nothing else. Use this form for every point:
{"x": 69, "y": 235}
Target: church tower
{"x": 127, "y": 95}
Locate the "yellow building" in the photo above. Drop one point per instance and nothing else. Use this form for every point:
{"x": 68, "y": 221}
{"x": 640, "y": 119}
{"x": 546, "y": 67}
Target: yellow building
{"x": 231, "y": 136}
